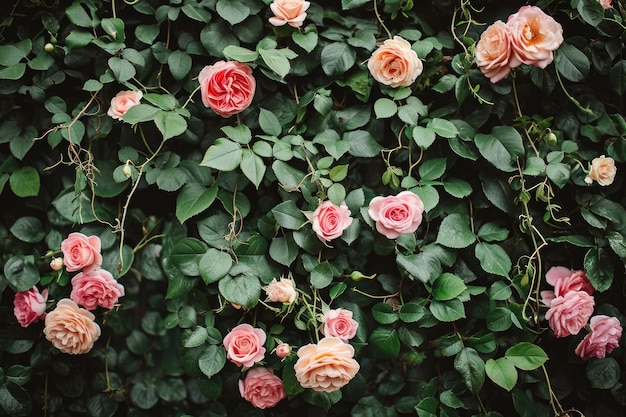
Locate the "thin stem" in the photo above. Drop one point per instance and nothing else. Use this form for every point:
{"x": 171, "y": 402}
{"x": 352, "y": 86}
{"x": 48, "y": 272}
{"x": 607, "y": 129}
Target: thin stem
{"x": 380, "y": 19}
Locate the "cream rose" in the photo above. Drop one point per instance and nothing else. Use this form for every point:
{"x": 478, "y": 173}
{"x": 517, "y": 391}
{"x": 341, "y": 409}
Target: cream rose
{"x": 96, "y": 288}
{"x": 227, "y": 87}
{"x": 81, "y": 252}
{"x": 493, "y": 51}
{"x": 534, "y": 37}
{"x": 244, "y": 345}
{"x": 396, "y": 215}
{"x": 329, "y": 220}
{"x": 291, "y": 12}
{"x": 30, "y": 306}
{"x": 602, "y": 170}
{"x": 395, "y": 64}
{"x": 282, "y": 291}
{"x": 71, "y": 329}
{"x": 123, "y": 101}
{"x": 262, "y": 388}
{"x": 339, "y": 323}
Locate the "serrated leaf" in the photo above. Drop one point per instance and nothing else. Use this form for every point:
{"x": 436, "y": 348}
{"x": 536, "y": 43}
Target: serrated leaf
{"x": 526, "y": 356}
{"x": 493, "y": 259}
{"x": 223, "y": 155}
{"x": 502, "y": 372}
{"x": 193, "y": 199}
{"x": 455, "y": 231}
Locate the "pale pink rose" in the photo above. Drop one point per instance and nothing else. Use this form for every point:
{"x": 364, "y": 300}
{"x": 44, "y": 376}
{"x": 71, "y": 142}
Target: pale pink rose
{"x": 56, "y": 264}
{"x": 262, "y": 388}
{"x": 283, "y": 350}
{"x": 326, "y": 366}
{"x": 227, "y": 88}
{"x": 493, "y": 51}
{"x": 339, "y": 323}
{"x": 282, "y": 291}
{"x": 395, "y": 64}
{"x": 565, "y": 280}
{"x": 81, "y": 252}
{"x": 534, "y": 35}
{"x": 329, "y": 220}
{"x": 95, "y": 288}
{"x": 292, "y": 12}
{"x": 603, "y": 338}
{"x": 602, "y": 170}
{"x": 605, "y": 3}
{"x": 396, "y": 215}
{"x": 30, "y": 306}
{"x": 123, "y": 101}
{"x": 244, "y": 345}
{"x": 570, "y": 312}
{"x": 71, "y": 329}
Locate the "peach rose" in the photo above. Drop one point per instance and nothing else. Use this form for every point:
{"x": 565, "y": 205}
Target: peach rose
{"x": 329, "y": 220}
{"x": 81, "y": 252}
{"x": 227, "y": 88}
{"x": 534, "y": 35}
{"x": 123, "y": 101}
{"x": 603, "y": 338}
{"x": 71, "y": 329}
{"x": 282, "y": 291}
{"x": 493, "y": 51}
{"x": 569, "y": 313}
{"x": 244, "y": 345}
{"x": 262, "y": 388}
{"x": 565, "y": 280}
{"x": 326, "y": 366}
{"x": 605, "y": 3}
{"x": 96, "y": 288}
{"x": 396, "y": 215}
{"x": 602, "y": 170}
{"x": 30, "y": 306}
{"x": 339, "y": 323}
{"x": 283, "y": 350}
{"x": 395, "y": 64}
{"x": 292, "y": 12}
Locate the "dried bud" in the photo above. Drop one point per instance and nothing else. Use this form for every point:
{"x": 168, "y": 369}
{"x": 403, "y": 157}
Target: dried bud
{"x": 56, "y": 264}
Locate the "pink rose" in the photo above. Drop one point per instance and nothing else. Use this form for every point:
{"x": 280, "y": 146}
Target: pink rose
{"x": 292, "y": 12}
{"x": 493, "y": 51}
{"x": 95, "y": 288}
{"x": 283, "y": 350}
{"x": 603, "y": 338}
{"x": 534, "y": 35}
{"x": 71, "y": 329}
{"x": 329, "y": 221}
{"x": 602, "y": 170}
{"x": 605, "y": 3}
{"x": 395, "y": 64}
{"x": 244, "y": 345}
{"x": 282, "y": 291}
{"x": 339, "y": 323}
{"x": 123, "y": 101}
{"x": 30, "y": 306}
{"x": 227, "y": 88}
{"x": 262, "y": 388}
{"x": 396, "y": 215}
{"x": 569, "y": 313}
{"x": 565, "y": 280}
{"x": 81, "y": 252}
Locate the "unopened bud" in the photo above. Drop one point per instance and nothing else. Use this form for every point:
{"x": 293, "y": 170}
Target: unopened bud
{"x": 48, "y": 47}
{"x": 551, "y": 139}
{"x": 127, "y": 171}
{"x": 56, "y": 264}
{"x": 358, "y": 276}
{"x": 283, "y": 350}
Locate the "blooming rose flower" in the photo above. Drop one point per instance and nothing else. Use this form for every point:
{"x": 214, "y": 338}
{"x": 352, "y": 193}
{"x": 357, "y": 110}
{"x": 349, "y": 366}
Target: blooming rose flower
{"x": 282, "y": 291}
{"x": 123, "y": 101}
{"x": 95, "y": 288}
{"x": 602, "y": 170}
{"x": 396, "y": 215}
{"x": 603, "y": 338}
{"x": 227, "y": 87}
{"x": 534, "y": 35}
{"x": 605, "y": 3}
{"x": 30, "y": 306}
{"x": 570, "y": 312}
{"x": 244, "y": 345}
{"x": 262, "y": 388}
{"x": 292, "y": 12}
{"x": 395, "y": 64}
{"x": 493, "y": 51}
{"x": 81, "y": 252}
{"x": 326, "y": 366}
{"x": 339, "y": 323}
{"x": 329, "y": 221}
{"x": 283, "y": 350}
{"x": 565, "y": 280}
{"x": 71, "y": 329}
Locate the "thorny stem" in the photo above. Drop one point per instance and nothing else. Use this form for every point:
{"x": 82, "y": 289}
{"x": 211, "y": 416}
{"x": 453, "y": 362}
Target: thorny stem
{"x": 380, "y": 19}
{"x": 520, "y": 114}
{"x": 570, "y": 97}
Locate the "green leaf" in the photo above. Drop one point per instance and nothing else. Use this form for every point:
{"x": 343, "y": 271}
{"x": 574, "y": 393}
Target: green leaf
{"x": 252, "y": 167}
{"x": 423, "y": 136}
{"x": 163, "y": 101}
{"x": 179, "y": 63}
{"x": 269, "y": 123}
{"x": 223, "y": 155}
{"x": 283, "y": 250}
{"x": 140, "y": 113}
{"x": 384, "y": 343}
{"x": 492, "y": 232}
{"x": 114, "y": 27}
{"x": 25, "y": 182}
{"x": 170, "y": 124}
{"x": 337, "y": 58}
{"x": 214, "y": 265}
{"x": 15, "y": 400}
{"x": 571, "y": 62}
{"x": 11, "y": 55}
{"x": 211, "y": 360}
{"x": 443, "y": 128}
{"x": 598, "y": 267}
{"x": 193, "y": 199}
{"x": 186, "y": 255}
{"x": 500, "y": 291}
{"x": 502, "y": 372}
{"x": 332, "y": 143}
{"x": 603, "y": 373}
{"x": 28, "y": 229}
{"x": 14, "y": 72}
{"x": 385, "y": 108}
{"x": 306, "y": 39}
{"x": 122, "y": 69}
{"x": 194, "y": 337}
{"x": 455, "y": 231}
{"x": 412, "y": 312}
{"x": 427, "y": 407}
{"x": 447, "y": 286}
{"x": 232, "y": 11}
{"x": 241, "y": 54}
{"x": 526, "y": 356}
{"x": 432, "y": 169}
{"x": 288, "y": 215}
{"x": 383, "y": 313}
{"x": 447, "y": 311}
{"x": 352, "y": 4}
{"x": 362, "y": 144}
{"x": 275, "y": 61}
{"x": 494, "y": 151}
{"x": 493, "y": 259}
{"x": 321, "y": 275}
{"x": 559, "y": 173}
{"x": 471, "y": 367}
{"x": 499, "y": 319}
{"x": 243, "y": 290}
{"x": 21, "y": 272}
{"x": 101, "y": 405}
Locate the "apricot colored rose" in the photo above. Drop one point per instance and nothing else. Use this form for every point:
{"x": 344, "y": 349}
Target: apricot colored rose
{"x": 395, "y": 64}
{"x": 81, "y": 252}
{"x": 603, "y": 338}
{"x": 95, "y": 288}
{"x": 227, "y": 87}
{"x": 30, "y": 306}
{"x": 534, "y": 35}
{"x": 123, "y": 101}
{"x": 244, "y": 345}
{"x": 339, "y": 323}
{"x": 565, "y": 280}
{"x": 329, "y": 220}
{"x": 291, "y": 12}
{"x": 71, "y": 329}
{"x": 493, "y": 51}
{"x": 282, "y": 291}
{"x": 326, "y": 366}
{"x": 262, "y": 388}
{"x": 283, "y": 350}
{"x": 569, "y": 313}
{"x": 602, "y": 171}
{"x": 396, "y": 215}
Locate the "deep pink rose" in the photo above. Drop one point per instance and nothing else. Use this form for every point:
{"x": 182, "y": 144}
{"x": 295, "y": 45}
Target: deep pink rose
{"x": 262, "y": 388}
{"x": 30, "y": 306}
{"x": 396, "y": 215}
{"x": 123, "y": 101}
{"x": 534, "y": 35}
{"x": 570, "y": 312}
{"x": 292, "y": 12}
{"x": 339, "y": 323}
{"x": 227, "y": 88}
{"x": 603, "y": 338}
{"x": 329, "y": 220}
{"x": 565, "y": 280}
{"x": 244, "y": 345}
{"x": 81, "y": 252}
{"x": 95, "y": 288}
{"x": 493, "y": 51}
